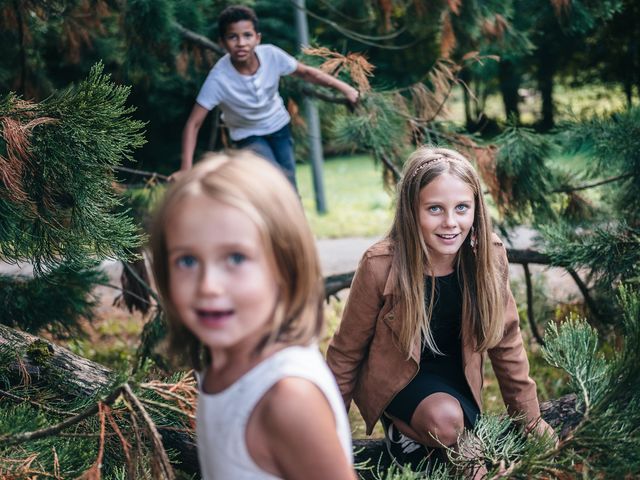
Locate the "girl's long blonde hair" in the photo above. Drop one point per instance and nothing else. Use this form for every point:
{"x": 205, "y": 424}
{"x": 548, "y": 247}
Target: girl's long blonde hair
{"x": 483, "y": 299}
{"x": 261, "y": 191}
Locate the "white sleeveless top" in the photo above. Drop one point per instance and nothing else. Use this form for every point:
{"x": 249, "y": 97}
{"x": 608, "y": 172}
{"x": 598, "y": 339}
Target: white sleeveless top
{"x": 221, "y": 418}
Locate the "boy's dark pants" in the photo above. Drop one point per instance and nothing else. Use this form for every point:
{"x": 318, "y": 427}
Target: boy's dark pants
{"x": 276, "y": 147}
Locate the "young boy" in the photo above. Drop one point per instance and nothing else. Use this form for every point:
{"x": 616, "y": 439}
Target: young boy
{"x": 244, "y": 83}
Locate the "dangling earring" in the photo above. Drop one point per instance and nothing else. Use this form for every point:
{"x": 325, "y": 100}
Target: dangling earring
{"x": 473, "y": 240}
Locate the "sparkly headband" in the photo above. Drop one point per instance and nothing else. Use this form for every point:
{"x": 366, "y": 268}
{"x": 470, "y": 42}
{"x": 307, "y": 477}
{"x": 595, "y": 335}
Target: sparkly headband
{"x": 429, "y": 162}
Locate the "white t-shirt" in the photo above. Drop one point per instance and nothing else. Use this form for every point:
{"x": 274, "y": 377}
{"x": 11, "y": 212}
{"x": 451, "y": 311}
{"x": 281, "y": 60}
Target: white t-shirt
{"x": 221, "y": 418}
{"x": 250, "y": 104}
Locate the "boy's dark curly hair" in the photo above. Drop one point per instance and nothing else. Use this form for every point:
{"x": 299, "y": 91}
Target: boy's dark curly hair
{"x": 233, "y": 14}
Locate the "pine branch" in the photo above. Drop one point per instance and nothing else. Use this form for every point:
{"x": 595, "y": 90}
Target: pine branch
{"x": 592, "y": 185}
{"x": 39, "y": 405}
{"x": 614, "y": 145}
{"x": 610, "y": 252}
{"x": 76, "y": 138}
{"x": 54, "y": 302}
{"x": 8, "y": 440}
{"x": 143, "y": 173}
{"x": 162, "y": 464}
{"x": 525, "y": 181}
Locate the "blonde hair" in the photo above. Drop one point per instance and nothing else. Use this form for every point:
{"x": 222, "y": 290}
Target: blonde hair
{"x": 260, "y": 190}
{"x": 482, "y": 297}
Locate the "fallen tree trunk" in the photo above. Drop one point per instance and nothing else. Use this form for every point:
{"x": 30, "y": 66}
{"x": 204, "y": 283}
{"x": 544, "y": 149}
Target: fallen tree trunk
{"x": 334, "y": 283}
{"x": 36, "y": 359}
{"x": 43, "y": 364}
{"x": 46, "y": 363}
{"x": 560, "y": 413}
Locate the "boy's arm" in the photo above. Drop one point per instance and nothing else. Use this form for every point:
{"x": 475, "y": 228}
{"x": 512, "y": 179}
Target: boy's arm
{"x": 190, "y": 135}
{"x": 313, "y": 75}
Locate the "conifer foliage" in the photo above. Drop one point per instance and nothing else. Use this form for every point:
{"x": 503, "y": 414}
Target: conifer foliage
{"x": 53, "y": 302}
{"x": 57, "y": 159}
{"x": 605, "y": 442}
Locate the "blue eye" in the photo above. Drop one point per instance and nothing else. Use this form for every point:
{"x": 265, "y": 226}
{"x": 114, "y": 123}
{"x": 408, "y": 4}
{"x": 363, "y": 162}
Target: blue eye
{"x": 186, "y": 261}
{"x": 236, "y": 258}
{"x": 462, "y": 207}
{"x": 434, "y": 209}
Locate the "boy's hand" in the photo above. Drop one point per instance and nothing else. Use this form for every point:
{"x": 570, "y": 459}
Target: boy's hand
{"x": 352, "y": 96}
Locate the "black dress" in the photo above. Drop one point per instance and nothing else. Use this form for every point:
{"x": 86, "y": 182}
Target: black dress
{"x": 440, "y": 373}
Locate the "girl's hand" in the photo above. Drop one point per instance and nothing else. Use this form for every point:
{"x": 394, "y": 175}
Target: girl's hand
{"x": 541, "y": 428}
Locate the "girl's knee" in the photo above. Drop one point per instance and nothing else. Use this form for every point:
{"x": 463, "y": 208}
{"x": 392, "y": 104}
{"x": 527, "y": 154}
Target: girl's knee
{"x": 441, "y": 426}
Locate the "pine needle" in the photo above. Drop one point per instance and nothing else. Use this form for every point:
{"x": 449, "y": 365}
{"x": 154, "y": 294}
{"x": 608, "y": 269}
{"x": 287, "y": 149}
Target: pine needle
{"x": 355, "y": 64}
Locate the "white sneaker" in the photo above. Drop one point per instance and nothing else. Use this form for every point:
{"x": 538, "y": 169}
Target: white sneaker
{"x": 402, "y": 449}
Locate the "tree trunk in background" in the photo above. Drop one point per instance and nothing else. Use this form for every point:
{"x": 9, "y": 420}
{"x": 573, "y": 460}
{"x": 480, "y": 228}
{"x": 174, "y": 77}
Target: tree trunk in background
{"x": 546, "y": 70}
{"x": 509, "y": 84}
{"x": 628, "y": 92}
{"x": 465, "y": 77}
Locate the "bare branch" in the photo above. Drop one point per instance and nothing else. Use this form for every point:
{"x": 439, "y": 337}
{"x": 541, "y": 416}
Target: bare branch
{"x": 198, "y": 39}
{"x": 591, "y": 185}
{"x": 532, "y": 323}
{"x": 163, "y": 461}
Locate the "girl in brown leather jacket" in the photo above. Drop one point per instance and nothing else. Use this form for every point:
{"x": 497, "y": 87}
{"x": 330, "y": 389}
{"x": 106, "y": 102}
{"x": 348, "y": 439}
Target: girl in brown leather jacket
{"x": 426, "y": 303}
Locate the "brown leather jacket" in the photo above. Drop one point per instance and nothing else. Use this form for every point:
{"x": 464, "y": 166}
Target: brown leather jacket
{"x": 371, "y": 369}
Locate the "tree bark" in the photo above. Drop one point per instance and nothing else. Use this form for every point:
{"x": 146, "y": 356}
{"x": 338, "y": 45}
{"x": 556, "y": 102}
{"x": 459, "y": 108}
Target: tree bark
{"x": 546, "y": 71}
{"x": 46, "y": 363}
{"x": 509, "y": 84}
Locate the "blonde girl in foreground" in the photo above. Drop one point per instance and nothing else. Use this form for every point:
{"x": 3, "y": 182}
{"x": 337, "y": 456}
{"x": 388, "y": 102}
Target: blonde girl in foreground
{"x": 425, "y": 304}
{"x": 237, "y": 269}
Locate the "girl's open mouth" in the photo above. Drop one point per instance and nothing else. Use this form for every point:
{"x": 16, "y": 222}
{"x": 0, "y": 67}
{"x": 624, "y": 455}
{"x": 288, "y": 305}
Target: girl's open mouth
{"x": 213, "y": 317}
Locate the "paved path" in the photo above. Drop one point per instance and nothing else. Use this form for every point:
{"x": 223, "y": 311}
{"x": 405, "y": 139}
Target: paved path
{"x": 342, "y": 255}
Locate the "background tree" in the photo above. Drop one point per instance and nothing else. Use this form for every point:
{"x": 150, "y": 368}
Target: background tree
{"x": 613, "y": 52}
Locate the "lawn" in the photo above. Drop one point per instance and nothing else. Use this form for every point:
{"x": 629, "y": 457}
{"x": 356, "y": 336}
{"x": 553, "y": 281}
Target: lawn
{"x": 357, "y": 203}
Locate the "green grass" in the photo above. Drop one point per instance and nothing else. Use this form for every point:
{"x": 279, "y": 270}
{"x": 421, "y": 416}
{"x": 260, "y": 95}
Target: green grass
{"x": 357, "y": 203}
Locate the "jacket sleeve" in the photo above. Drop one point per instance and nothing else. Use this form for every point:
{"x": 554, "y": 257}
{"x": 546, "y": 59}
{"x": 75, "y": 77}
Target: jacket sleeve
{"x": 350, "y": 343}
{"x": 509, "y": 358}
